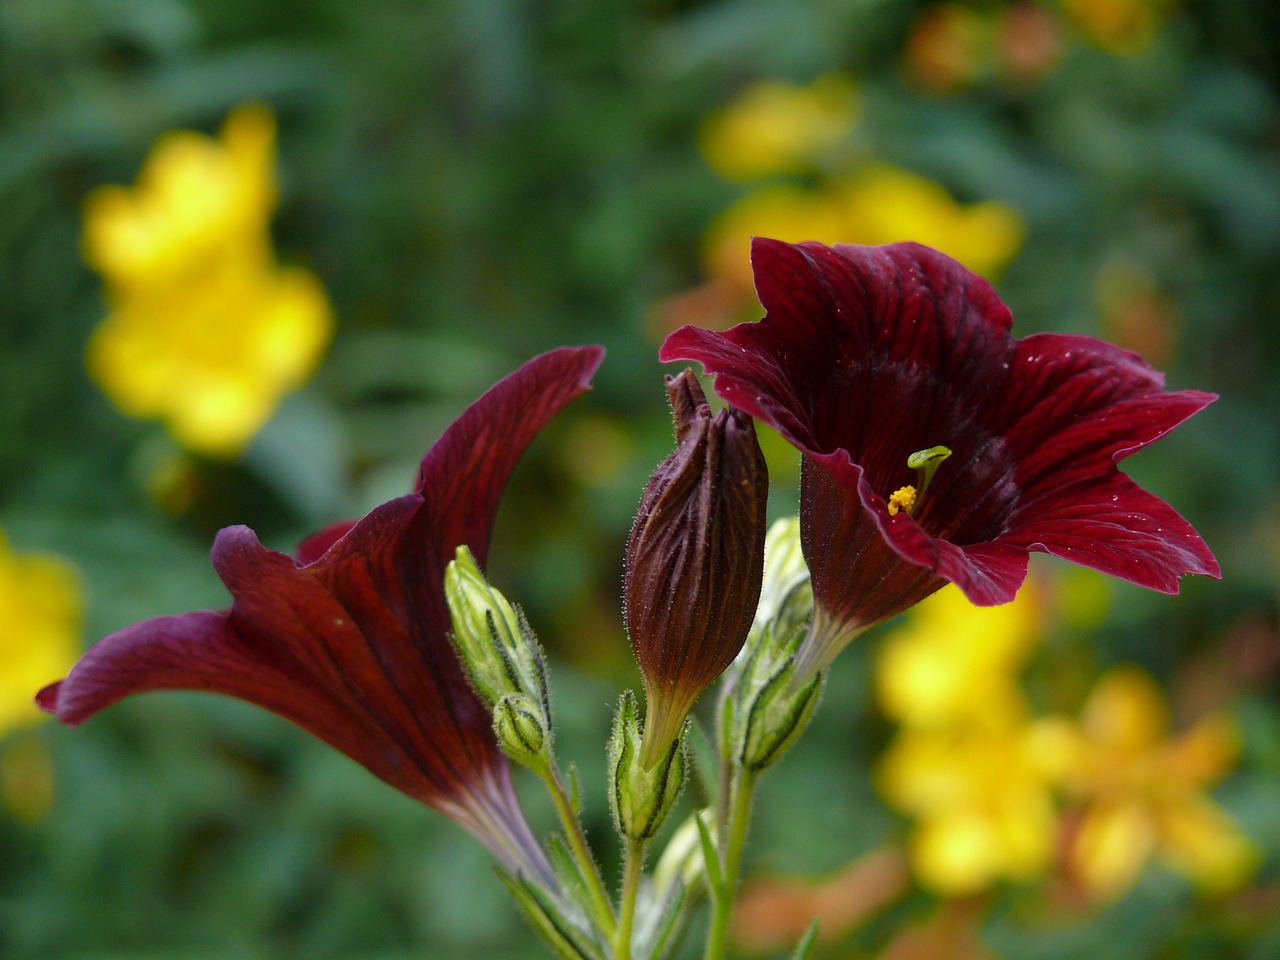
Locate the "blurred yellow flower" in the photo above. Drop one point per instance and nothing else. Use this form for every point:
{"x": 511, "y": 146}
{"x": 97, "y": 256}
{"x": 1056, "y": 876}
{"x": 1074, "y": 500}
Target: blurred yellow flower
{"x": 968, "y": 764}
{"x": 1124, "y": 27}
{"x": 884, "y": 204}
{"x": 195, "y": 195}
{"x": 952, "y": 662}
{"x": 982, "y": 800}
{"x": 774, "y": 127}
{"x": 783, "y": 212}
{"x": 40, "y": 609}
{"x": 1142, "y": 792}
{"x": 205, "y": 330}
{"x": 877, "y": 203}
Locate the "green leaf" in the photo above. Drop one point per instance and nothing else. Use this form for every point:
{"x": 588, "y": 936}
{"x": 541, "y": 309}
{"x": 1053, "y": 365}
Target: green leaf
{"x": 805, "y": 946}
{"x": 715, "y": 875}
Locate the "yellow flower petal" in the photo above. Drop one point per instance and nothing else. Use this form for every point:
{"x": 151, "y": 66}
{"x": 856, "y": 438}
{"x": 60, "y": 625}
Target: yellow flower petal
{"x": 1202, "y": 843}
{"x": 41, "y": 609}
{"x": 1113, "y": 843}
{"x": 774, "y": 127}
{"x": 205, "y": 331}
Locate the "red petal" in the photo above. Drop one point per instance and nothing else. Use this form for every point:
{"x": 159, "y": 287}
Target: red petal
{"x": 349, "y": 641}
{"x": 464, "y": 474}
{"x": 867, "y": 354}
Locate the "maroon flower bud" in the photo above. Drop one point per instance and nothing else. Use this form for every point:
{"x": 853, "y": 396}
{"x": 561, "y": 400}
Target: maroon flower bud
{"x": 695, "y": 559}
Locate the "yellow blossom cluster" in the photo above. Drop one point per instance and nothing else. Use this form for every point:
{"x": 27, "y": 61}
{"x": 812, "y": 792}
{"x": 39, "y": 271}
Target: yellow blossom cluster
{"x": 795, "y": 147}
{"x": 1139, "y": 792}
{"x": 40, "y": 609}
{"x": 967, "y": 763}
{"x": 205, "y": 330}
{"x": 999, "y": 793}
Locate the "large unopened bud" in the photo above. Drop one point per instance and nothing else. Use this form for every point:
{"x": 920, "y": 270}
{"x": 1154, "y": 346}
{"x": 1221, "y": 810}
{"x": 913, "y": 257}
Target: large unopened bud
{"x": 695, "y": 559}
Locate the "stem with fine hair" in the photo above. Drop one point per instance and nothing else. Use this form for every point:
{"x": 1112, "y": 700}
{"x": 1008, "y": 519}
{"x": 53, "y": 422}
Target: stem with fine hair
{"x": 601, "y": 907}
{"x": 632, "y": 865}
{"x": 734, "y": 837}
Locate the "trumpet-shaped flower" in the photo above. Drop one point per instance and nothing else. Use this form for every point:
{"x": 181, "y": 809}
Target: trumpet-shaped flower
{"x": 348, "y": 638}
{"x": 205, "y": 331}
{"x": 1142, "y": 792}
{"x": 935, "y": 446}
{"x": 40, "y": 607}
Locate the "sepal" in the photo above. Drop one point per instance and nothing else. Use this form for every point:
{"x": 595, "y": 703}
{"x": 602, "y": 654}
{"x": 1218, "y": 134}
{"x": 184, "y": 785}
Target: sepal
{"x": 660, "y": 915}
{"x": 776, "y": 716}
{"x": 784, "y": 569}
{"x": 519, "y": 725}
{"x": 682, "y": 862}
{"x": 640, "y": 797}
{"x": 565, "y": 929}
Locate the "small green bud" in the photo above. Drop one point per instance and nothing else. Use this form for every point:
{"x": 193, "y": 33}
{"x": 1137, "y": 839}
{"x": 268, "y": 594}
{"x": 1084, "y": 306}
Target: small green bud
{"x": 784, "y": 568}
{"x": 640, "y": 797}
{"x": 518, "y": 725}
{"x": 767, "y": 706}
{"x": 776, "y": 716}
{"x": 493, "y": 639}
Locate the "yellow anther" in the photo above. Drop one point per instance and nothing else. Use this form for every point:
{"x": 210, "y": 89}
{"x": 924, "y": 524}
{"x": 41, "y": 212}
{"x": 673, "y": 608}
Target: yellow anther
{"x": 904, "y": 498}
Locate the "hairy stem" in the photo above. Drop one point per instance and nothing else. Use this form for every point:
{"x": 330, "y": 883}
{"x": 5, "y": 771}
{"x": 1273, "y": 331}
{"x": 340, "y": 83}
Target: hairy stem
{"x": 734, "y": 837}
{"x": 627, "y": 907}
{"x": 601, "y": 908}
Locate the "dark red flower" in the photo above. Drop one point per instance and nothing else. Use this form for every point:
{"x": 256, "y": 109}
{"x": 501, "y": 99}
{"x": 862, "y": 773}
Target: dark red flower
{"x": 349, "y": 639}
{"x": 695, "y": 558}
{"x": 867, "y": 355}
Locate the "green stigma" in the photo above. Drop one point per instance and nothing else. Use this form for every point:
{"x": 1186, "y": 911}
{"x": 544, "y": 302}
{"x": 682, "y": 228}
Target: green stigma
{"x": 925, "y": 463}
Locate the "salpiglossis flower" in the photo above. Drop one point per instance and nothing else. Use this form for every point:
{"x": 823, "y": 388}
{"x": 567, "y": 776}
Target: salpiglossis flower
{"x": 873, "y": 358}
{"x": 695, "y": 558}
{"x": 348, "y": 638}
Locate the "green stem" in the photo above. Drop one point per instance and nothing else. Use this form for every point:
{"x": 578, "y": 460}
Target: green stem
{"x": 734, "y": 838}
{"x": 627, "y": 908}
{"x": 602, "y": 909}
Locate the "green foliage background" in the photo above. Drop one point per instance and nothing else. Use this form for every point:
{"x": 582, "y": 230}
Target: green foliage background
{"x": 478, "y": 181}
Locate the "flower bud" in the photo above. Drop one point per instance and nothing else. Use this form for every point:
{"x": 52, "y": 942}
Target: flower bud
{"x": 694, "y": 559}
{"x": 640, "y": 795}
{"x": 493, "y": 640}
{"x": 784, "y": 569}
{"x": 519, "y": 725}
{"x": 504, "y": 661}
{"x": 768, "y": 704}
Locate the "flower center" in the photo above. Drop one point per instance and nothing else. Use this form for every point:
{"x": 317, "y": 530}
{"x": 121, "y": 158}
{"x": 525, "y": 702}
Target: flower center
{"x": 925, "y": 463}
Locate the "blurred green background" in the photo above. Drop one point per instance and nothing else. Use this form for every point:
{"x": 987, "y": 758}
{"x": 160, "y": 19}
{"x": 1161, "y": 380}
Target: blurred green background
{"x": 475, "y": 182}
